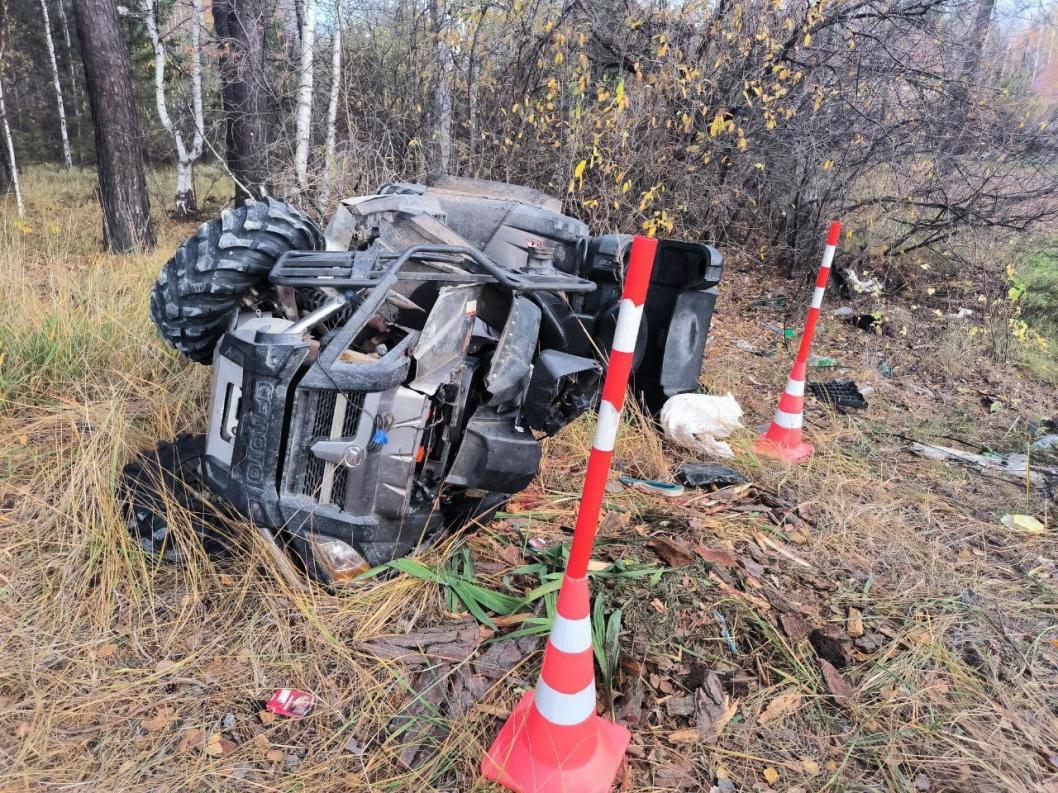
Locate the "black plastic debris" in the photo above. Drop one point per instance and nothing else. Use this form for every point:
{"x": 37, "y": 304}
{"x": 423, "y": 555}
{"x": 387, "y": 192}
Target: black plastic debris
{"x": 708, "y": 475}
{"x": 841, "y": 394}
{"x": 872, "y": 323}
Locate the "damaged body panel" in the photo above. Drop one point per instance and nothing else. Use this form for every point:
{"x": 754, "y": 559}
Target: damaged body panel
{"x": 398, "y": 383}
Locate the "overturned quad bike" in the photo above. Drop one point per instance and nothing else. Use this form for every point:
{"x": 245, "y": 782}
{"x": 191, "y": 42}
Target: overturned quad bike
{"x": 391, "y": 378}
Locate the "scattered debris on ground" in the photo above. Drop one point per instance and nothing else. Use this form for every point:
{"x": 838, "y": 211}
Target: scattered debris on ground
{"x": 840, "y": 394}
{"x": 701, "y": 421}
{"x": 291, "y": 702}
{"x": 1023, "y": 523}
{"x": 711, "y": 475}
{"x": 872, "y": 323}
{"x": 667, "y": 489}
{"x": 1014, "y": 465}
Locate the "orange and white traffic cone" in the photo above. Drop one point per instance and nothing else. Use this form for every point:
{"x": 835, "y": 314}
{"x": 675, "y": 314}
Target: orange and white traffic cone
{"x": 783, "y": 438}
{"x": 554, "y": 742}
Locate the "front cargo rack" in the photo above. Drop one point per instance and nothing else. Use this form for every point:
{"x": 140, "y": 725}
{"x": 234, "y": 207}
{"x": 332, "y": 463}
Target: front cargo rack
{"x": 360, "y": 269}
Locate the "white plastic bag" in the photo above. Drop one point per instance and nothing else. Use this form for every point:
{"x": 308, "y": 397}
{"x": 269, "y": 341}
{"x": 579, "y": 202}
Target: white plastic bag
{"x": 697, "y": 421}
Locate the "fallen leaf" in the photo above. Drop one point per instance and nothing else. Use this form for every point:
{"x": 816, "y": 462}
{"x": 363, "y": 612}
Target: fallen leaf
{"x": 836, "y": 682}
{"x": 164, "y": 666}
{"x": 214, "y": 672}
{"x": 219, "y": 746}
{"x": 794, "y": 625}
{"x": 266, "y": 717}
{"x": 275, "y": 756}
{"x": 194, "y": 738}
{"x": 685, "y": 737}
{"x": 780, "y": 707}
{"x": 494, "y": 710}
{"x": 673, "y": 777}
{"x": 855, "y": 622}
{"x": 511, "y": 554}
{"x": 162, "y": 719}
{"x": 673, "y": 552}
{"x": 810, "y": 766}
{"x": 107, "y": 650}
{"x": 771, "y": 776}
{"x": 716, "y": 556}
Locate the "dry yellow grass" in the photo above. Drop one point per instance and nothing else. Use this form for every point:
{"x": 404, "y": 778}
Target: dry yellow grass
{"x": 108, "y": 661}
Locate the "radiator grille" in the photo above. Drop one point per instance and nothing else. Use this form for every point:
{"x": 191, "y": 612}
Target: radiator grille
{"x": 338, "y": 486}
{"x": 323, "y": 426}
{"x": 353, "y": 409}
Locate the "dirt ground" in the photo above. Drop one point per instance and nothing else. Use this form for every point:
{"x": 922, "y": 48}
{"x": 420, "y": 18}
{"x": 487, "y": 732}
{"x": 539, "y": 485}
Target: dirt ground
{"x": 864, "y": 622}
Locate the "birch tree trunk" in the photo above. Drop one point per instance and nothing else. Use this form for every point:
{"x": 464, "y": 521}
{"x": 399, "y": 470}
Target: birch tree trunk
{"x": 473, "y": 126}
{"x": 442, "y": 95}
{"x": 332, "y": 109}
{"x": 67, "y": 158}
{"x": 75, "y": 93}
{"x": 10, "y": 174}
{"x": 304, "y": 105}
{"x": 184, "y": 200}
{"x": 10, "y": 146}
{"x": 185, "y": 182}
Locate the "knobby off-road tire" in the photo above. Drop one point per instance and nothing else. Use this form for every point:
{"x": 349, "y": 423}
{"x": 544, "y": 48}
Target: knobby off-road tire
{"x": 203, "y": 284}
{"x": 165, "y": 481}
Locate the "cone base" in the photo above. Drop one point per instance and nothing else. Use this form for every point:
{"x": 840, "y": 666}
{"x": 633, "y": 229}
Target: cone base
{"x": 791, "y": 454}
{"x": 510, "y": 762}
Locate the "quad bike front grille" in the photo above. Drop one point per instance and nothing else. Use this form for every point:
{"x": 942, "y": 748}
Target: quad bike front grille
{"x": 335, "y": 416}
{"x": 323, "y": 418}
{"x": 354, "y": 408}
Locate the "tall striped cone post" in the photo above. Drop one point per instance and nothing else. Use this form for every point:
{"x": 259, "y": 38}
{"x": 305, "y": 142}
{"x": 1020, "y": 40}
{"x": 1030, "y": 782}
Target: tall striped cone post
{"x": 553, "y": 741}
{"x": 783, "y": 438}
